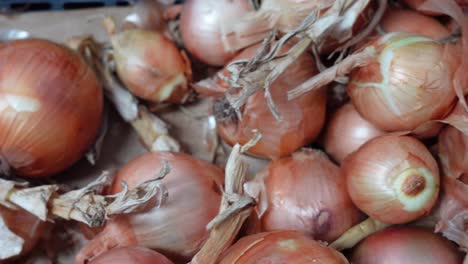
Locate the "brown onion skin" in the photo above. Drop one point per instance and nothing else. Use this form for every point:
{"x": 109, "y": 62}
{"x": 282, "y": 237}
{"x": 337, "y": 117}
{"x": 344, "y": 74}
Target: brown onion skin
{"x": 403, "y": 20}
{"x": 393, "y": 179}
{"x": 131, "y": 255}
{"x": 406, "y": 245}
{"x": 307, "y": 192}
{"x": 151, "y": 66}
{"x": 25, "y": 225}
{"x": 178, "y": 228}
{"x": 281, "y": 247}
{"x": 303, "y": 118}
{"x": 346, "y": 131}
{"x": 52, "y": 137}
{"x": 201, "y": 30}
{"x": 419, "y": 87}
{"x": 453, "y": 152}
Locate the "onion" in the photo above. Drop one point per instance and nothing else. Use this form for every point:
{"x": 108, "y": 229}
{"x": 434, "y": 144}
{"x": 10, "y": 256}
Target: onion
{"x": 303, "y": 118}
{"x": 393, "y": 179}
{"x": 407, "y": 84}
{"x": 176, "y": 229}
{"x": 200, "y": 27}
{"x": 131, "y": 255}
{"x": 281, "y": 247}
{"x": 307, "y": 192}
{"x": 416, "y": 4}
{"x": 347, "y": 131}
{"x": 150, "y": 65}
{"x": 406, "y": 245}
{"x": 25, "y": 225}
{"x": 401, "y": 20}
{"x": 453, "y": 152}
{"x": 51, "y": 107}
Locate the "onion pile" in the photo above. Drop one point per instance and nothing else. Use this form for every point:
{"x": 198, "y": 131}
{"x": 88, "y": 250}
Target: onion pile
{"x": 393, "y": 179}
{"x": 347, "y": 131}
{"x": 303, "y": 118}
{"x": 131, "y": 255}
{"x": 281, "y": 247}
{"x": 51, "y": 107}
{"x": 177, "y": 228}
{"x": 307, "y": 193}
{"x": 406, "y": 245}
{"x": 151, "y": 66}
{"x": 200, "y": 27}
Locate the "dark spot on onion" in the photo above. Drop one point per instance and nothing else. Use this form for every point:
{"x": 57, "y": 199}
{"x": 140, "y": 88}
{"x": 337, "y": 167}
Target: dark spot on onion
{"x": 414, "y": 185}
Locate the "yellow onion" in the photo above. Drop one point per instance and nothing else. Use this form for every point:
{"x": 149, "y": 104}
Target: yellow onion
{"x": 131, "y": 255}
{"x": 50, "y": 107}
{"x": 177, "y": 228}
{"x": 200, "y": 27}
{"x": 151, "y": 66}
{"x": 408, "y": 21}
{"x": 25, "y": 225}
{"x": 347, "y": 131}
{"x": 393, "y": 179}
{"x": 398, "y": 245}
{"x": 307, "y": 192}
{"x": 303, "y": 117}
{"x": 281, "y": 247}
{"x": 409, "y": 82}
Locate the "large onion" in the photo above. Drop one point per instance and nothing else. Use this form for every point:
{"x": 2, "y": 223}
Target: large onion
{"x": 281, "y": 247}
{"x": 22, "y": 224}
{"x": 307, "y": 192}
{"x": 50, "y": 107}
{"x": 131, "y": 255}
{"x": 176, "y": 229}
{"x": 200, "y": 27}
{"x": 303, "y": 118}
{"x": 393, "y": 179}
{"x": 347, "y": 131}
{"x": 407, "y": 84}
{"x": 406, "y": 245}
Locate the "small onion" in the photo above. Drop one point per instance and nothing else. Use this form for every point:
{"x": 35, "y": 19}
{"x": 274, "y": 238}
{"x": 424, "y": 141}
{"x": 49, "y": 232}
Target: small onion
{"x": 25, "y": 225}
{"x": 399, "y": 245}
{"x": 200, "y": 27}
{"x": 407, "y": 84}
{"x": 347, "y": 131}
{"x": 151, "y": 66}
{"x": 393, "y": 179}
{"x": 303, "y": 117}
{"x": 131, "y": 255}
{"x": 177, "y": 228}
{"x": 402, "y": 20}
{"x": 281, "y": 247}
{"x": 50, "y": 107}
{"x": 307, "y": 192}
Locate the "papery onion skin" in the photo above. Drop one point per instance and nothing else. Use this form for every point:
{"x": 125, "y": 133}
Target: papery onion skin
{"x": 281, "y": 247}
{"x": 178, "y": 228}
{"x": 405, "y": 245}
{"x": 200, "y": 27}
{"x": 408, "y": 21}
{"x": 25, "y": 225}
{"x": 408, "y": 84}
{"x": 151, "y": 66}
{"x": 131, "y": 255}
{"x": 453, "y": 152}
{"x": 303, "y": 118}
{"x": 415, "y": 4}
{"x": 51, "y": 107}
{"x": 393, "y": 179}
{"x": 307, "y": 192}
{"x": 346, "y": 131}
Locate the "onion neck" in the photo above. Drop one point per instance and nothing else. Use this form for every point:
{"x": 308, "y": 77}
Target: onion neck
{"x": 415, "y": 188}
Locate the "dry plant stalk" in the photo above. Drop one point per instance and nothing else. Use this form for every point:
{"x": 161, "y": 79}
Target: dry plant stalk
{"x": 84, "y": 205}
{"x": 153, "y": 131}
{"x": 236, "y": 206}
{"x": 357, "y": 233}
{"x": 249, "y": 76}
